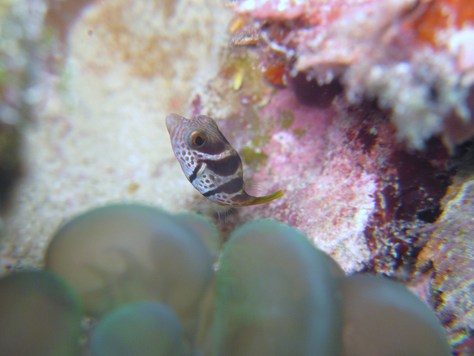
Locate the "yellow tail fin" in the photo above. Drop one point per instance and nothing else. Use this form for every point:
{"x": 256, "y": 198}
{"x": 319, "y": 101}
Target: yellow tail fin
{"x": 267, "y": 198}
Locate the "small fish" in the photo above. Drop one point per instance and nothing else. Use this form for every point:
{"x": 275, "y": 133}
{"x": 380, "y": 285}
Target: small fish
{"x": 209, "y": 162}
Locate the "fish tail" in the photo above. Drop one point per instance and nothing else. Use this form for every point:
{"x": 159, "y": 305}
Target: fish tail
{"x": 266, "y": 198}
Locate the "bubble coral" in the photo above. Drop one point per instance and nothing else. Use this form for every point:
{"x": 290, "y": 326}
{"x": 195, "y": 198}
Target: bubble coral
{"x": 382, "y": 317}
{"x": 120, "y": 254}
{"x": 207, "y": 232}
{"x": 39, "y": 315}
{"x": 274, "y": 293}
{"x": 269, "y": 295}
{"x": 143, "y": 329}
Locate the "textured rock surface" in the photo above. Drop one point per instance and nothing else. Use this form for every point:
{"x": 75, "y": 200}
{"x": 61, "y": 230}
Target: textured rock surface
{"x": 414, "y": 58}
{"x": 448, "y": 261}
{"x": 328, "y": 195}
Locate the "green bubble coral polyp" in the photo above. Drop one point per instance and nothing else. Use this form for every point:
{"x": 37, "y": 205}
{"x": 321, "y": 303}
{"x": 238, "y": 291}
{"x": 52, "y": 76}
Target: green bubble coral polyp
{"x": 269, "y": 299}
{"x": 158, "y": 284}
{"x": 39, "y": 315}
{"x": 126, "y": 253}
{"x": 144, "y": 329}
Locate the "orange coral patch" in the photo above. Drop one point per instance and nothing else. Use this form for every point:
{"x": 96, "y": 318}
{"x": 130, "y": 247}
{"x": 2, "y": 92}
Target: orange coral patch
{"x": 443, "y": 14}
{"x": 275, "y": 74}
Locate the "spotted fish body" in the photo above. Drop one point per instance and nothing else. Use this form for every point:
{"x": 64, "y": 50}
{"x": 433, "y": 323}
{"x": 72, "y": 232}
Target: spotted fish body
{"x": 209, "y": 162}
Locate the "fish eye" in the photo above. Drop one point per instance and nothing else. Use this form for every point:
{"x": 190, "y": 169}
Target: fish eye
{"x": 198, "y": 138}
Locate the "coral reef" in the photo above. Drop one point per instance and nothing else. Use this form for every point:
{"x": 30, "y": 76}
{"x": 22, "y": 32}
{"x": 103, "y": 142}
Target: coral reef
{"x": 349, "y": 185}
{"x": 355, "y": 108}
{"x": 273, "y": 293}
{"x": 408, "y": 55}
{"x": 446, "y": 265}
{"x": 361, "y": 128}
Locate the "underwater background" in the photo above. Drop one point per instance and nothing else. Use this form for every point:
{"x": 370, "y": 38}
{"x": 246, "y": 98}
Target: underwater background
{"x": 360, "y": 111}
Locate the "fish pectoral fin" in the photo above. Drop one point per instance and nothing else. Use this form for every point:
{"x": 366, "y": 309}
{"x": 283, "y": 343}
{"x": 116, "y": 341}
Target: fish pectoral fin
{"x": 266, "y": 198}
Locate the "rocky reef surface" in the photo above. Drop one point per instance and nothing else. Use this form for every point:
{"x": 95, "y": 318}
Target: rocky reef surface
{"x": 361, "y": 111}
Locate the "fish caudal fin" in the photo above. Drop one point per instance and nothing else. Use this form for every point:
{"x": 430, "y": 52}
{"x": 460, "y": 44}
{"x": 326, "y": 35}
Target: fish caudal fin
{"x": 266, "y": 199}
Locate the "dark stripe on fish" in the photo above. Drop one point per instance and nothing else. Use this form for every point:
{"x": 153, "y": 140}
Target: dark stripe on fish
{"x": 232, "y": 186}
{"x": 193, "y": 175}
{"x": 225, "y": 166}
{"x": 212, "y": 147}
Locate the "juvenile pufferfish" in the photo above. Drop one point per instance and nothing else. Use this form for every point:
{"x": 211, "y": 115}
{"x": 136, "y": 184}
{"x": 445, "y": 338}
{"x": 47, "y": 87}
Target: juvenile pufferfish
{"x": 209, "y": 162}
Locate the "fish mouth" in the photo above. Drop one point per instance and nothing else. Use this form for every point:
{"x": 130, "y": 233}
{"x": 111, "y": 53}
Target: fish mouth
{"x": 172, "y": 121}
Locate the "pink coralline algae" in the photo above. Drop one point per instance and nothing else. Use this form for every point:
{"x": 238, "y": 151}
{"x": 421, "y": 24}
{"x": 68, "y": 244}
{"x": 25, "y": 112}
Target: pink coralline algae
{"x": 348, "y": 184}
{"x": 328, "y": 194}
{"x": 380, "y": 50}
{"x": 315, "y": 12}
